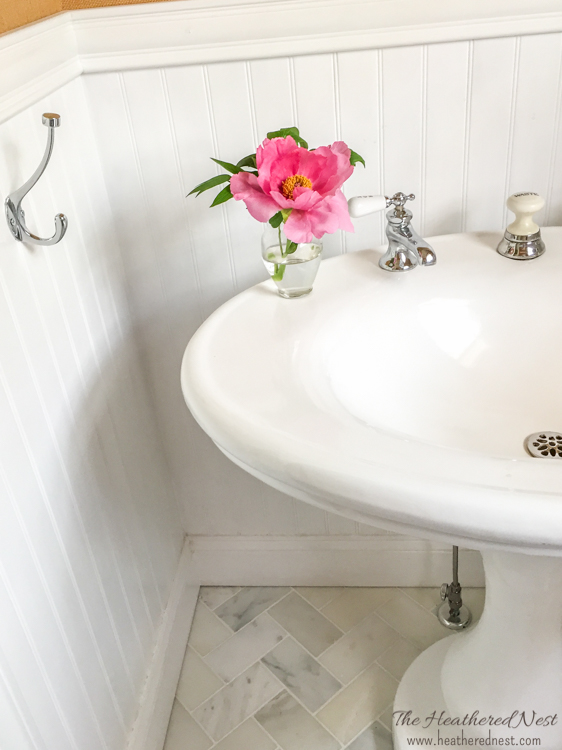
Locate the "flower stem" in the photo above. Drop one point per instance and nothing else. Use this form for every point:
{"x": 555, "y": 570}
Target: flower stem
{"x": 279, "y": 268}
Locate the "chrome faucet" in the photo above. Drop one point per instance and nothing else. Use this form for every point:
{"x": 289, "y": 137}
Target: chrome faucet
{"x": 406, "y": 249}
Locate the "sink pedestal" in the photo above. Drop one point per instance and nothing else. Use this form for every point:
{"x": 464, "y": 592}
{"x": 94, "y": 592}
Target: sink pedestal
{"x": 508, "y": 665}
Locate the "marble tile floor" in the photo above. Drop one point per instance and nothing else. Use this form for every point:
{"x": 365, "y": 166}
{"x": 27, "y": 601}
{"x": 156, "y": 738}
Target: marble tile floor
{"x": 274, "y": 668}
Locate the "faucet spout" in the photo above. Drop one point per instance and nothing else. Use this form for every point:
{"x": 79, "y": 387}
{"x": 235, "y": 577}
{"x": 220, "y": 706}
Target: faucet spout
{"x": 401, "y": 255}
{"x": 406, "y": 249}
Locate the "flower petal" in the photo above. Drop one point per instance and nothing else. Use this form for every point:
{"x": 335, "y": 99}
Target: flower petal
{"x": 279, "y": 155}
{"x": 245, "y": 187}
{"x": 337, "y": 156}
{"x": 304, "y": 198}
{"x": 325, "y": 218}
{"x": 298, "y": 227}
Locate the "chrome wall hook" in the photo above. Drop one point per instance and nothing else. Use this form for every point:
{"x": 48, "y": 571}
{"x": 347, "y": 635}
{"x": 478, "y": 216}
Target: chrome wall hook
{"x": 15, "y": 214}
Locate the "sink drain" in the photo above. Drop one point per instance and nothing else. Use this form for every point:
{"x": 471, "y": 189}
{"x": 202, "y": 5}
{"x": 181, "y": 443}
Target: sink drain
{"x": 544, "y": 445}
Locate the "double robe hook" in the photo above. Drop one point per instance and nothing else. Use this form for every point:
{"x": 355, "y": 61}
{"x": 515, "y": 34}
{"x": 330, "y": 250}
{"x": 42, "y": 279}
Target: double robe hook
{"x": 15, "y": 214}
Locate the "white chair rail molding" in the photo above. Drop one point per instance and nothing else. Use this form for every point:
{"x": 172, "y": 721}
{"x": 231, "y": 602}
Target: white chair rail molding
{"x": 263, "y": 571}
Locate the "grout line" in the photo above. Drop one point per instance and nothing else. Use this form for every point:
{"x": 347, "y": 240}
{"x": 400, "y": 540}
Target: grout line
{"x": 251, "y": 715}
{"x": 399, "y": 637}
{"x": 259, "y": 658}
{"x": 391, "y": 596}
{"x": 224, "y": 602}
{"x": 411, "y": 598}
{"x": 316, "y": 659}
{"x": 320, "y": 613}
{"x": 189, "y": 713}
{"x": 345, "y": 747}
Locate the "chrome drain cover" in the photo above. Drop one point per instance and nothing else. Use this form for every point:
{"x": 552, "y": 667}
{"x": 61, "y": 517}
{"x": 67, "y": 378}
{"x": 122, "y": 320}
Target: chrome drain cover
{"x": 544, "y": 444}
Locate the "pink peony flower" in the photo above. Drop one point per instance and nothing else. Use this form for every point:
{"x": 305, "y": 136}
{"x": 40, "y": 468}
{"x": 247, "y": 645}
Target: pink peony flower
{"x": 306, "y": 182}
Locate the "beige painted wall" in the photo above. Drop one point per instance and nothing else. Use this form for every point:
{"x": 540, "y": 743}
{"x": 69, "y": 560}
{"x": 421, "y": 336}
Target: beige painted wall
{"x": 75, "y": 4}
{"x": 16, "y": 13}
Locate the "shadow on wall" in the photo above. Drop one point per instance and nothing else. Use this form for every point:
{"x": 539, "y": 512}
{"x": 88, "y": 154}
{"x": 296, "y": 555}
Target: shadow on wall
{"x": 218, "y": 497}
{"x": 125, "y": 559}
{"x": 120, "y": 451}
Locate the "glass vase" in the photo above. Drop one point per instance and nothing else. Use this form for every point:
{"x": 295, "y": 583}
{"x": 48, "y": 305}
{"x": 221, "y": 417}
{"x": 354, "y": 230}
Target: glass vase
{"x": 292, "y": 266}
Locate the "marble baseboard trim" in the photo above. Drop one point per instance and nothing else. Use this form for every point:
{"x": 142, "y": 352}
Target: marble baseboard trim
{"x": 329, "y": 561}
{"x": 156, "y": 702}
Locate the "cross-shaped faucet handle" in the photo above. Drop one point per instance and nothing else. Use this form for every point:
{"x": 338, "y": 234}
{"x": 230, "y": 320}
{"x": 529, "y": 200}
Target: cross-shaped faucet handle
{"x": 399, "y": 199}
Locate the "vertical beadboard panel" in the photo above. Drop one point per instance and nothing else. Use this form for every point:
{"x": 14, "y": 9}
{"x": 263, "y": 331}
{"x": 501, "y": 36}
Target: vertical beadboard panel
{"x": 360, "y": 118}
{"x": 272, "y": 95}
{"x": 229, "y": 102}
{"x": 535, "y": 115}
{"x": 489, "y": 132}
{"x": 447, "y": 91}
{"x": 194, "y": 273}
{"x": 89, "y": 532}
{"x": 448, "y": 122}
{"x": 554, "y": 209}
{"x": 404, "y": 102}
{"x": 317, "y": 107}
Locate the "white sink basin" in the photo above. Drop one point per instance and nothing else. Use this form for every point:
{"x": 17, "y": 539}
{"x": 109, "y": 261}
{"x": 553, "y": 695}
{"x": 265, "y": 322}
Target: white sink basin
{"x": 403, "y": 400}
{"x": 399, "y": 399}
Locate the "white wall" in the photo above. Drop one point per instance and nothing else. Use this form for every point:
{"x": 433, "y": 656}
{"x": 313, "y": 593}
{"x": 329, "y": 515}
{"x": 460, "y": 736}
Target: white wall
{"x": 462, "y": 125}
{"x": 92, "y": 331}
{"x": 89, "y": 533}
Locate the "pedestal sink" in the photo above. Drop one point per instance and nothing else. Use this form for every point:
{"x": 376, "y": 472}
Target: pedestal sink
{"x": 403, "y": 400}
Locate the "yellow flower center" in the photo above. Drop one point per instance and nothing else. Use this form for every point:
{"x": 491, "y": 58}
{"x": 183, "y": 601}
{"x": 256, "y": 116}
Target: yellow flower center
{"x": 289, "y": 185}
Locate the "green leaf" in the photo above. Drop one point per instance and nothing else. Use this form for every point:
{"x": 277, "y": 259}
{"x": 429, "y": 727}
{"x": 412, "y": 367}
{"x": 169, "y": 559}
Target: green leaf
{"x": 227, "y": 165}
{"x": 208, "y": 184}
{"x": 293, "y": 132}
{"x": 222, "y": 197}
{"x": 291, "y": 247}
{"x": 276, "y": 219}
{"x": 286, "y": 212}
{"x": 278, "y": 271}
{"x": 354, "y": 158}
{"x": 247, "y": 161}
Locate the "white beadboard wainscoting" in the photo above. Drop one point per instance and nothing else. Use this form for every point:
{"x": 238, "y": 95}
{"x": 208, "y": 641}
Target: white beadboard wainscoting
{"x": 462, "y": 125}
{"x": 103, "y": 470}
{"x": 90, "y": 539}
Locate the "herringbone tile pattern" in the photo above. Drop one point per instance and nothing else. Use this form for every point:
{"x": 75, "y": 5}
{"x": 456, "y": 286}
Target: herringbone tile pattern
{"x": 300, "y": 669}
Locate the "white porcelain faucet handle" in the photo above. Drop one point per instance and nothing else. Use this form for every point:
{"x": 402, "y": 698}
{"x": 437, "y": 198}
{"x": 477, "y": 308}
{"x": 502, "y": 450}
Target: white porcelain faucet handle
{"x": 361, "y": 205}
{"x": 524, "y": 205}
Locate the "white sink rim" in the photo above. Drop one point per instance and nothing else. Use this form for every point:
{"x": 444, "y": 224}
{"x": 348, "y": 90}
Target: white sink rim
{"x": 403, "y": 484}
